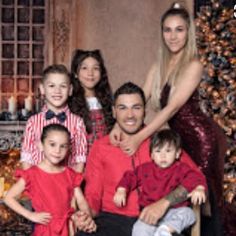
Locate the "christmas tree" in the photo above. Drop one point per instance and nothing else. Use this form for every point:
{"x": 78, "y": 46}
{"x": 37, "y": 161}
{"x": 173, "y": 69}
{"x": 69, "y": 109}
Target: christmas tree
{"x": 216, "y": 38}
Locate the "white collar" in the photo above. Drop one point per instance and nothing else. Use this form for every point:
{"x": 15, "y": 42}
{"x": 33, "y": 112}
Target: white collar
{"x": 93, "y": 103}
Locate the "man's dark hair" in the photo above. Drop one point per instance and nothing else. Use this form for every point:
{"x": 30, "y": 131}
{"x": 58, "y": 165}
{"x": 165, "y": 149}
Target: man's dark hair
{"x": 55, "y": 69}
{"x": 53, "y": 127}
{"x": 129, "y": 88}
{"x": 159, "y": 139}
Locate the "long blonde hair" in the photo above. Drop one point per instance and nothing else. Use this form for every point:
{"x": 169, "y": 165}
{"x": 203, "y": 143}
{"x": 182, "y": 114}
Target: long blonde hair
{"x": 164, "y": 55}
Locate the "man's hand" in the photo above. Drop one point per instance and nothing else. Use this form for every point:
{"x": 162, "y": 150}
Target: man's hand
{"x": 84, "y": 222}
{"x": 40, "y": 217}
{"x": 198, "y": 195}
{"x": 120, "y": 197}
{"x": 152, "y": 213}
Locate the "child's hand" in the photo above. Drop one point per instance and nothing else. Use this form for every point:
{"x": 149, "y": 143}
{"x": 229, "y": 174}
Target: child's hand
{"x": 92, "y": 227}
{"x": 130, "y": 145}
{"x": 84, "y": 222}
{"x": 40, "y": 217}
{"x": 198, "y": 195}
{"x": 120, "y": 197}
{"x": 115, "y": 135}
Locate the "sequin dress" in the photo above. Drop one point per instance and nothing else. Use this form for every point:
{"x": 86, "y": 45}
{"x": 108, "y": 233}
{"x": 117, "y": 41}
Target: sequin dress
{"x": 202, "y": 139}
{"x": 51, "y": 192}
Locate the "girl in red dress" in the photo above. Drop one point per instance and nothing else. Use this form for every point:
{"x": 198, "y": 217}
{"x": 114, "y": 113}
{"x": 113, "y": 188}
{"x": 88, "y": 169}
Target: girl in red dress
{"x": 92, "y": 95}
{"x": 52, "y": 187}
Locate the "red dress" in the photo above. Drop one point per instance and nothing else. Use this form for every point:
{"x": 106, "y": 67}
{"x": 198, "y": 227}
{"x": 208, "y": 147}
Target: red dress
{"x": 52, "y": 193}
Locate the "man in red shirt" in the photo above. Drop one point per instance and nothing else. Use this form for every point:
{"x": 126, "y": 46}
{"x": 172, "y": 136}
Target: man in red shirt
{"x": 106, "y": 165}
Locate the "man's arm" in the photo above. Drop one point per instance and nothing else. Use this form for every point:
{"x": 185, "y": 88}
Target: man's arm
{"x": 180, "y": 194}
{"x": 94, "y": 177}
{"x": 152, "y": 213}
{"x": 93, "y": 191}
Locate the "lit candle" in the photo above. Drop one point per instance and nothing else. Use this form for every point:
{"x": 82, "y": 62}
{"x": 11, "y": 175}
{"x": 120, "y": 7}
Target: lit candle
{"x": 28, "y": 103}
{"x": 12, "y": 105}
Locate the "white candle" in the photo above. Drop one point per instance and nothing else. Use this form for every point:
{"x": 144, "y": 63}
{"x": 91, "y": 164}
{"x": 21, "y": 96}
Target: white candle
{"x": 24, "y": 112}
{"x": 28, "y": 103}
{"x": 12, "y": 105}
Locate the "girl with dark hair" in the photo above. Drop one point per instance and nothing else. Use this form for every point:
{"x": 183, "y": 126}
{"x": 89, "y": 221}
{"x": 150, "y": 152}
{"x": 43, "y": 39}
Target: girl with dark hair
{"x": 53, "y": 188}
{"x": 92, "y": 95}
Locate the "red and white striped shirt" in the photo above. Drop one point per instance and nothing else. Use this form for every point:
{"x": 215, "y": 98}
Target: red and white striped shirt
{"x": 30, "y": 152}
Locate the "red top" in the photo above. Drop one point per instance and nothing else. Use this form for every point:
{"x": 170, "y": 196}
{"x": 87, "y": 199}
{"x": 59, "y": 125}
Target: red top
{"x": 51, "y": 192}
{"x": 97, "y": 119}
{"x": 99, "y": 128}
{"x": 156, "y": 183}
{"x": 105, "y": 166}
{"x": 30, "y": 152}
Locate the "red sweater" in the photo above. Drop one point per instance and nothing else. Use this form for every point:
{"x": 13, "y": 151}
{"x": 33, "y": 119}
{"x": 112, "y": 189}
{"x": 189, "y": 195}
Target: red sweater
{"x": 105, "y": 166}
{"x": 156, "y": 183}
